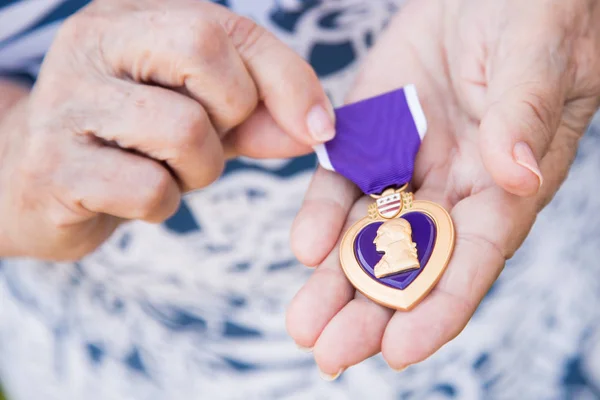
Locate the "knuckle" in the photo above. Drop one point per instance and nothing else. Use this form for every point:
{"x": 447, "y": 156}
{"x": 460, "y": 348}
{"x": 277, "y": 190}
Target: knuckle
{"x": 543, "y": 114}
{"x": 71, "y": 29}
{"x": 192, "y": 127}
{"x": 215, "y": 172}
{"x": 75, "y": 28}
{"x": 213, "y": 165}
{"x": 154, "y": 199}
{"x": 241, "y": 102}
{"x": 207, "y": 41}
{"x": 244, "y": 33}
{"x": 193, "y": 120}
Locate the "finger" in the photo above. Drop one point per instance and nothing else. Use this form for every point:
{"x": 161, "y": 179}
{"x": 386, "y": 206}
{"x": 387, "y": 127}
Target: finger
{"x": 163, "y": 125}
{"x": 286, "y": 83}
{"x": 261, "y": 137}
{"x": 490, "y": 226}
{"x": 356, "y": 332}
{"x": 318, "y": 301}
{"x": 110, "y": 181}
{"x": 353, "y": 335}
{"x": 319, "y": 222}
{"x": 187, "y": 50}
{"x": 210, "y": 52}
{"x": 526, "y": 95}
{"x": 322, "y": 297}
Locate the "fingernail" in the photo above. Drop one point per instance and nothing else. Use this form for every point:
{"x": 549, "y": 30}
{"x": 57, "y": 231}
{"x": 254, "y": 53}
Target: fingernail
{"x": 320, "y": 124}
{"x": 400, "y": 369}
{"x": 304, "y": 349}
{"x": 328, "y": 377}
{"x": 525, "y": 158}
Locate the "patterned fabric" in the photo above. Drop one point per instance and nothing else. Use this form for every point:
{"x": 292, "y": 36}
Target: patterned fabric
{"x": 194, "y": 308}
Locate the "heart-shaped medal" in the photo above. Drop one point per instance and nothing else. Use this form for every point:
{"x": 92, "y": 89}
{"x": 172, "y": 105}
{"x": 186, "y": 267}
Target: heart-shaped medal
{"x": 396, "y": 257}
{"x": 396, "y": 254}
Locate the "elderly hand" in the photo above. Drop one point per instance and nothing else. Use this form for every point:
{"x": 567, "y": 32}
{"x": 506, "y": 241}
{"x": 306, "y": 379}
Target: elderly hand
{"x": 128, "y": 112}
{"x": 508, "y": 88}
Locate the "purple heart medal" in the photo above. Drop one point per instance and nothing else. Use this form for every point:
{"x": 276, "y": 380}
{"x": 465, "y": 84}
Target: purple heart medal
{"x": 398, "y": 252}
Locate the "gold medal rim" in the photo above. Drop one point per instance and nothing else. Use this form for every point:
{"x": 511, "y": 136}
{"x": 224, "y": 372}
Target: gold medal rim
{"x": 406, "y": 299}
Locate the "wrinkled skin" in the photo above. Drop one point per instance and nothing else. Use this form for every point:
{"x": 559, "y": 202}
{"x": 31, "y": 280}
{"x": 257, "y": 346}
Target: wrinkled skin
{"x": 130, "y": 111}
{"x": 508, "y": 88}
{"x": 136, "y": 103}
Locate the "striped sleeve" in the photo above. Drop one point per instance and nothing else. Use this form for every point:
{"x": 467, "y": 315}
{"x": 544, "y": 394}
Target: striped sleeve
{"x": 27, "y": 28}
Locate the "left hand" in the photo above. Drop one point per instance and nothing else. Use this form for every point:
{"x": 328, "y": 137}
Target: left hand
{"x": 136, "y": 103}
{"x": 509, "y": 87}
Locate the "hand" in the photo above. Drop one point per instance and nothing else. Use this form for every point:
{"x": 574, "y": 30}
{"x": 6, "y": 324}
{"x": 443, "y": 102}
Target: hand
{"x": 128, "y": 112}
{"x": 508, "y": 88}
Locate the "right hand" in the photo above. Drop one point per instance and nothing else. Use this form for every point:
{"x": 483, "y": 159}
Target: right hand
{"x": 128, "y": 113}
{"x": 494, "y": 77}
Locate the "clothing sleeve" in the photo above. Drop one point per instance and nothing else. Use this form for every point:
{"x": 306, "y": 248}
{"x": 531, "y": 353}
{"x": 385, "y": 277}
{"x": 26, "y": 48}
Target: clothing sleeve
{"x": 27, "y": 29}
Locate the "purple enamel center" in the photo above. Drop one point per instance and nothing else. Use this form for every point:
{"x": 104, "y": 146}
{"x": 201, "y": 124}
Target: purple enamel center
{"x": 424, "y": 233}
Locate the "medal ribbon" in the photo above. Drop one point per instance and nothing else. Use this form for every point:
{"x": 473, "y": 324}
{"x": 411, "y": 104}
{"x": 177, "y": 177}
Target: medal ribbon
{"x": 376, "y": 140}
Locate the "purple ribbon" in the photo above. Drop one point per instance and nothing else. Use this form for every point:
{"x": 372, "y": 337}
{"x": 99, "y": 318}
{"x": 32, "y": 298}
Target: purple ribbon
{"x": 376, "y": 140}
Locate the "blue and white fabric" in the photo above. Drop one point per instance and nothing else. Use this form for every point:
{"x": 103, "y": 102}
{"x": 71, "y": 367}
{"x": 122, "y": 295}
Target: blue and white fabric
{"x": 194, "y": 308}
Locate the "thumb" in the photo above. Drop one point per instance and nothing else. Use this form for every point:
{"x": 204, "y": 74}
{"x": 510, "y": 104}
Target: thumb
{"x": 287, "y": 84}
{"x": 260, "y": 136}
{"x": 526, "y": 101}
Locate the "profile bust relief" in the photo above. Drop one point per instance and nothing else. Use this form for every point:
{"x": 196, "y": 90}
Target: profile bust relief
{"x": 394, "y": 238}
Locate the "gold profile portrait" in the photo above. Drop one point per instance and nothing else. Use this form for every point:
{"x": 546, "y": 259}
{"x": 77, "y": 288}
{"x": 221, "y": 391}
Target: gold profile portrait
{"x": 394, "y": 238}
